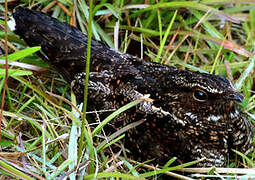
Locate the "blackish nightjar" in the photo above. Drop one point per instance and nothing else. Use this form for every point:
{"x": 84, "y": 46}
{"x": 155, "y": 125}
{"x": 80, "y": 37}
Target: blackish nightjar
{"x": 192, "y": 115}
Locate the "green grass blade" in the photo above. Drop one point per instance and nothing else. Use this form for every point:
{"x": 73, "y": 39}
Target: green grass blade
{"x": 15, "y": 72}
{"x": 162, "y": 44}
{"x": 188, "y": 4}
{"x": 22, "y": 53}
{"x": 111, "y": 175}
{"x": 73, "y": 149}
{"x": 17, "y": 173}
{"x": 152, "y": 173}
{"x": 246, "y": 73}
{"x": 114, "y": 114}
{"x": 61, "y": 168}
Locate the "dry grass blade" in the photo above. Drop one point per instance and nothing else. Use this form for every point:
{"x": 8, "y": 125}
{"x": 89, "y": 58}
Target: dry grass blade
{"x": 25, "y": 66}
{"x": 185, "y": 37}
{"x": 219, "y": 170}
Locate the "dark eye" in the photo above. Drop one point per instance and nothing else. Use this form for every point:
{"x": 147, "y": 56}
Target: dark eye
{"x": 200, "y": 95}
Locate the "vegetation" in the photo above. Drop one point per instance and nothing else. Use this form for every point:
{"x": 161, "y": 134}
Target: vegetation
{"x": 40, "y": 122}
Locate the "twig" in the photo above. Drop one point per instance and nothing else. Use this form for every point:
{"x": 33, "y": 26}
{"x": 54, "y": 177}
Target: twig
{"x": 6, "y": 63}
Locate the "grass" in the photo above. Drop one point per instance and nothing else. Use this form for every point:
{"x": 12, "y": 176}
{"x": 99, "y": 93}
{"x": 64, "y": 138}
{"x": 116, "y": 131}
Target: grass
{"x": 41, "y": 122}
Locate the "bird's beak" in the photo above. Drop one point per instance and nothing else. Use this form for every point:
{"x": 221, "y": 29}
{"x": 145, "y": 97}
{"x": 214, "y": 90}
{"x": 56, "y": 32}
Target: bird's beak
{"x": 235, "y": 96}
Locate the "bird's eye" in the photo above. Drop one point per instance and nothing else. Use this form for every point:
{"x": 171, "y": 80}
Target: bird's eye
{"x": 200, "y": 95}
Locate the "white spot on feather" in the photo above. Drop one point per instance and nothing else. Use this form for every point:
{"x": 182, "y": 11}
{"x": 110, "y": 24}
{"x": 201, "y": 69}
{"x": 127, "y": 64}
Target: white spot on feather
{"x": 213, "y": 118}
{"x": 192, "y": 116}
{"x": 12, "y": 24}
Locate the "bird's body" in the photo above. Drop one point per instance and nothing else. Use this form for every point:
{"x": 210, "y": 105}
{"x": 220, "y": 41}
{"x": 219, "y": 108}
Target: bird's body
{"x": 193, "y": 115}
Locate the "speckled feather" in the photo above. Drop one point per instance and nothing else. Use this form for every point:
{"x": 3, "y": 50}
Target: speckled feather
{"x": 193, "y": 115}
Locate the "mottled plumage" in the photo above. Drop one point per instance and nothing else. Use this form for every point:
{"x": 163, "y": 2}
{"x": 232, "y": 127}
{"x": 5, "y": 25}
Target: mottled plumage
{"x": 193, "y": 115}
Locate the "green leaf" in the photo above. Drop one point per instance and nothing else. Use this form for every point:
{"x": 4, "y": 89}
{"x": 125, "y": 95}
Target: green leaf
{"x": 14, "y": 72}
{"x": 108, "y": 6}
{"x": 14, "y": 171}
{"x": 21, "y": 54}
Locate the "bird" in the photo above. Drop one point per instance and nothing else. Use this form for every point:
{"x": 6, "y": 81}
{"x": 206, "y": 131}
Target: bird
{"x": 190, "y": 115}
